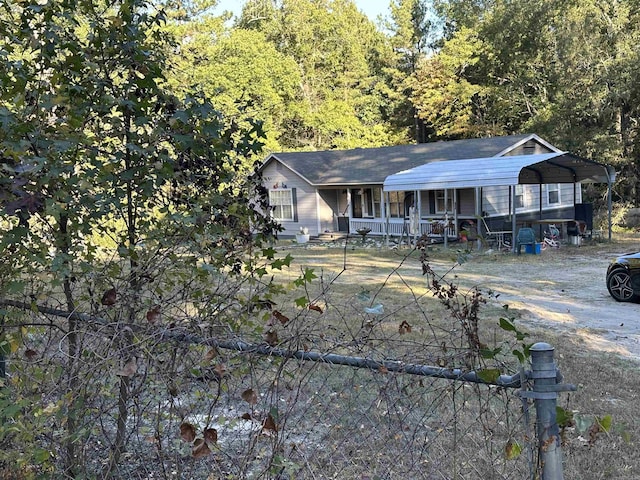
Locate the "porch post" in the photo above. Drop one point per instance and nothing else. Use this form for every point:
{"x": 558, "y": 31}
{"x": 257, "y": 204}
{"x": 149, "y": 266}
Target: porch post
{"x": 478, "y": 210}
{"x": 445, "y": 234}
{"x": 455, "y": 211}
{"x": 349, "y": 210}
{"x": 387, "y": 201}
{"x": 419, "y": 206}
{"x": 514, "y": 223}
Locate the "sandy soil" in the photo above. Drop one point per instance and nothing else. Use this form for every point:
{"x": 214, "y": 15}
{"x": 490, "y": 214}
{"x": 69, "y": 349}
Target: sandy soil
{"x": 565, "y": 290}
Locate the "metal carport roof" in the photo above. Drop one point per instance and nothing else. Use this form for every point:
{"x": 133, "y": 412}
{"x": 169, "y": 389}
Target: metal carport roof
{"x": 556, "y": 167}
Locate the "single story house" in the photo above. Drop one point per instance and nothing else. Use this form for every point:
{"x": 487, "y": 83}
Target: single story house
{"x": 490, "y": 183}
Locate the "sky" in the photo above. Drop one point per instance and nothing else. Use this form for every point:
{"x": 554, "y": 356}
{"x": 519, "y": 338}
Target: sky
{"x": 371, "y": 8}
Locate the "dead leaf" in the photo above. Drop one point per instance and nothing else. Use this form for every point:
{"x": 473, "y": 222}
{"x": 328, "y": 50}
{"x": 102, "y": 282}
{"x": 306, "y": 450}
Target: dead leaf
{"x": 130, "y": 368}
{"x": 271, "y": 337}
{"x": 210, "y": 436}
{"x": 269, "y": 424}
{"x": 315, "y": 308}
{"x": 404, "y": 328}
{"x": 245, "y": 416}
{"x": 187, "y": 432}
{"x": 283, "y": 319}
{"x": 200, "y": 449}
{"x": 383, "y": 369}
{"x": 153, "y": 315}
{"x": 220, "y": 370}
{"x": 210, "y": 355}
{"x": 30, "y": 354}
{"x": 109, "y": 297}
{"x": 250, "y": 396}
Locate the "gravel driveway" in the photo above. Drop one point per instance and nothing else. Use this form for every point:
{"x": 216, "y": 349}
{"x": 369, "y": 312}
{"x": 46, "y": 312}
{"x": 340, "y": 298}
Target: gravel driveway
{"x": 565, "y": 290}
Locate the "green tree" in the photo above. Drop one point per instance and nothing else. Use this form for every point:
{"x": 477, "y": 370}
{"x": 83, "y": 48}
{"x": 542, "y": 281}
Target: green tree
{"x": 444, "y": 99}
{"x": 245, "y": 76}
{"x": 562, "y": 69}
{"x": 411, "y": 39}
{"x": 340, "y": 57}
{"x": 111, "y": 184}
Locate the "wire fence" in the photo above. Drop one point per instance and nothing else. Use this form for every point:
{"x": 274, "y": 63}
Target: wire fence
{"x": 381, "y": 380}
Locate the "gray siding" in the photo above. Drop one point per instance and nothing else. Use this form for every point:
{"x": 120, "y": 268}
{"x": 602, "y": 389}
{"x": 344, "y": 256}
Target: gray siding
{"x": 495, "y": 200}
{"x": 276, "y": 173}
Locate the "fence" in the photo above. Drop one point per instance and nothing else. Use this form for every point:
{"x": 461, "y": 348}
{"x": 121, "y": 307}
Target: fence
{"x": 301, "y": 414}
{"x": 544, "y": 392}
{"x": 384, "y": 378}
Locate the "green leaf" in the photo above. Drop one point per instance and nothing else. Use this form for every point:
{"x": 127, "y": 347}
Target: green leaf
{"x": 605, "y": 422}
{"x": 564, "y": 418}
{"x": 301, "y": 302}
{"x": 489, "y": 375}
{"x": 519, "y": 355}
{"x": 40, "y": 455}
{"x": 489, "y": 353}
{"x": 269, "y": 253}
{"x": 278, "y": 264}
{"x": 512, "y": 449}
{"x": 507, "y": 325}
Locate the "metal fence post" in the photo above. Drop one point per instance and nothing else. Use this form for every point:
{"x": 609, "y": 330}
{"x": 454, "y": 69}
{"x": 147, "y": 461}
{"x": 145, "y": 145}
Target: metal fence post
{"x": 545, "y": 393}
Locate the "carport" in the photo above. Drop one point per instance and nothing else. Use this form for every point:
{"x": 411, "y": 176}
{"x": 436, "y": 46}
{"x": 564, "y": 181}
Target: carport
{"x": 540, "y": 169}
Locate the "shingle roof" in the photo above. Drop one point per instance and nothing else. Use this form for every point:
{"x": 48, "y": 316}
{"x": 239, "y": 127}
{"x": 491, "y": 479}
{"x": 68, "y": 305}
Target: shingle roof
{"x": 373, "y": 165}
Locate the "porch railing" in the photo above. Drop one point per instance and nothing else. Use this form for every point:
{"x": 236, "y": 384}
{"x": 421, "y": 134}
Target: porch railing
{"x": 398, "y": 227}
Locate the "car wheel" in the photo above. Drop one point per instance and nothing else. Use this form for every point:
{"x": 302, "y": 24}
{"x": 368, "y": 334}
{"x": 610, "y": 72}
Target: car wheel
{"x": 619, "y": 285}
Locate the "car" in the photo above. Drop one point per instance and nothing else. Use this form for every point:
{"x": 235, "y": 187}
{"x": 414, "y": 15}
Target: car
{"x": 623, "y": 277}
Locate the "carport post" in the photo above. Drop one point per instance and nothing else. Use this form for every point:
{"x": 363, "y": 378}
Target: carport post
{"x": 545, "y": 393}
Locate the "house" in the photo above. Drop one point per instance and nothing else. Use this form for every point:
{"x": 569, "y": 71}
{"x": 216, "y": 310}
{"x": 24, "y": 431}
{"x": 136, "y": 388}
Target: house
{"x": 429, "y": 188}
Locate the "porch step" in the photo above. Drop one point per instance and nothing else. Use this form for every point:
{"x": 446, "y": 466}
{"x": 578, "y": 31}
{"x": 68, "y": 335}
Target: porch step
{"x": 329, "y": 237}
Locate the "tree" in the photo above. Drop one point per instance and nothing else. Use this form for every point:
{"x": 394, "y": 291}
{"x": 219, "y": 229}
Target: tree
{"x": 340, "y": 57}
{"x": 113, "y": 188}
{"x": 245, "y": 76}
{"x": 444, "y": 99}
{"x": 563, "y": 70}
{"x": 411, "y": 40}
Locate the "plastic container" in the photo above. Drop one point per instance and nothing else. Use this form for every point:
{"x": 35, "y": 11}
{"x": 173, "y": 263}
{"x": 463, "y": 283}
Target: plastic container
{"x": 536, "y": 249}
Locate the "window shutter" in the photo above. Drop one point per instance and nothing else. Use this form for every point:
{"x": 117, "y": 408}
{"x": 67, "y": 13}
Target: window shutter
{"x": 294, "y": 200}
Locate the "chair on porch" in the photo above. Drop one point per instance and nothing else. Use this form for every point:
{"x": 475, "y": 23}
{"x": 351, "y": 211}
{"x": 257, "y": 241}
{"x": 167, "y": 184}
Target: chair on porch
{"x": 500, "y": 238}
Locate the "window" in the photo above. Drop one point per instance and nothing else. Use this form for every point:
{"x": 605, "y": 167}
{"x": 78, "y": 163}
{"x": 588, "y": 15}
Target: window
{"x": 396, "y": 204}
{"x": 520, "y": 197}
{"x": 377, "y": 200}
{"x": 443, "y": 202}
{"x": 553, "y": 194}
{"x": 366, "y": 202}
{"x": 282, "y": 203}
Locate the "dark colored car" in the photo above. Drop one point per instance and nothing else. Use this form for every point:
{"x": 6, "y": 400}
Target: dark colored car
{"x": 623, "y": 277}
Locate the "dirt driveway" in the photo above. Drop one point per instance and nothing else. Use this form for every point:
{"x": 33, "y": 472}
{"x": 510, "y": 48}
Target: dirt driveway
{"x": 564, "y": 290}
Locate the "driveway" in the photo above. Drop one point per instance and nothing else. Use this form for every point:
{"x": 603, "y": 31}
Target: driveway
{"x": 565, "y": 290}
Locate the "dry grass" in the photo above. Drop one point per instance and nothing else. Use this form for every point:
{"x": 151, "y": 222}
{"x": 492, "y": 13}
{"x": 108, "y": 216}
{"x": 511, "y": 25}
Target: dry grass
{"x": 608, "y": 384}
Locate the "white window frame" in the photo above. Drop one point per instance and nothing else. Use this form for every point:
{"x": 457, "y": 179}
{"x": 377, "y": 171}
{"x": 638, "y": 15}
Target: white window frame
{"x": 443, "y": 198}
{"x": 278, "y": 205}
{"x": 396, "y": 204}
{"x": 520, "y": 192}
{"x": 553, "y": 188}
